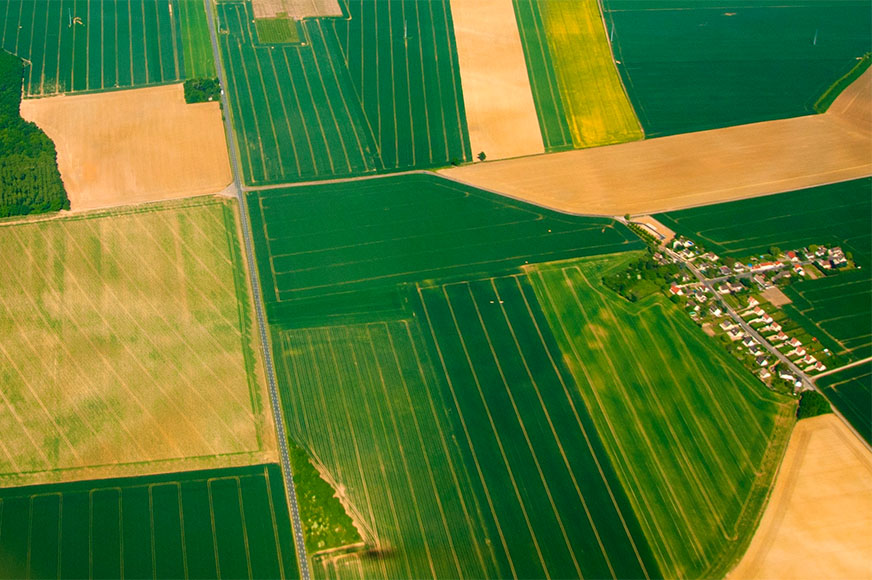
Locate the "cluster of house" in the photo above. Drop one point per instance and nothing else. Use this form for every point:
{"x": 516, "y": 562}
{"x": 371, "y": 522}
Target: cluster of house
{"x": 823, "y": 257}
{"x": 774, "y": 334}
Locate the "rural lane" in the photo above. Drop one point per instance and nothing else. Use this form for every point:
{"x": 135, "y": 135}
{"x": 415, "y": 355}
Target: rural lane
{"x": 302, "y": 558}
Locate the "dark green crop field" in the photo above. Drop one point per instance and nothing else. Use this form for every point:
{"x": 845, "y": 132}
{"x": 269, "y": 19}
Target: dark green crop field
{"x": 838, "y": 309}
{"x": 296, "y": 112}
{"x": 230, "y": 523}
{"x": 543, "y": 80}
{"x": 691, "y": 65}
{"x": 345, "y": 247}
{"x": 850, "y": 391}
{"x": 88, "y": 45}
{"x": 695, "y": 439}
{"x": 489, "y": 466}
{"x": 402, "y": 61}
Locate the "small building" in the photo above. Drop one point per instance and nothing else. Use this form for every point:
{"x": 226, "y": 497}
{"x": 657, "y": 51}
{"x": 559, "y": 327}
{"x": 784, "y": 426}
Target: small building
{"x": 809, "y": 359}
{"x": 765, "y": 266}
{"x": 752, "y": 302}
{"x": 791, "y": 255}
{"x": 748, "y": 341}
{"x": 727, "y": 324}
{"x": 735, "y": 334}
{"x": 755, "y": 349}
{"x": 762, "y": 361}
{"x": 675, "y": 290}
{"x": 764, "y": 373}
{"x": 715, "y": 310}
{"x": 794, "y": 342}
{"x": 725, "y": 271}
{"x": 780, "y": 337}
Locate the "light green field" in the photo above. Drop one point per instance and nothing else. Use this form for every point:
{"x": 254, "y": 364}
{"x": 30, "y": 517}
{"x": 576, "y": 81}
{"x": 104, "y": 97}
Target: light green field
{"x": 695, "y": 439}
{"x": 125, "y": 343}
{"x": 597, "y": 108}
{"x": 196, "y": 44}
{"x": 276, "y": 30}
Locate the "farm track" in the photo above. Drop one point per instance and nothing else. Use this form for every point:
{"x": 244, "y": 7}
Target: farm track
{"x": 669, "y": 173}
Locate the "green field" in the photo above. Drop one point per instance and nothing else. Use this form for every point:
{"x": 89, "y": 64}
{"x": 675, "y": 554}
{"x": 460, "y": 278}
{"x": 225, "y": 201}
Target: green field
{"x": 296, "y": 113}
{"x": 279, "y": 30}
{"x": 112, "y": 45}
{"x": 691, "y": 65}
{"x": 344, "y": 248}
{"x": 402, "y": 60}
{"x": 543, "y": 80}
{"x": 837, "y": 310}
{"x": 230, "y": 523}
{"x": 596, "y": 106}
{"x": 850, "y": 391}
{"x": 694, "y": 438}
{"x": 196, "y": 44}
{"x": 143, "y": 315}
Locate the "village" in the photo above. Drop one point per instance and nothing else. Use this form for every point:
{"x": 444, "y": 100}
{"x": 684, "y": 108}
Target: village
{"x": 742, "y": 303}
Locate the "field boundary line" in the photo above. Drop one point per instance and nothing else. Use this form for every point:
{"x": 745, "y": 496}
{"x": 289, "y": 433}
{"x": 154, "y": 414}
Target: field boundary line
{"x": 247, "y": 78}
{"x": 315, "y": 108}
{"x": 300, "y": 112}
{"x": 269, "y": 113}
{"x": 285, "y": 113}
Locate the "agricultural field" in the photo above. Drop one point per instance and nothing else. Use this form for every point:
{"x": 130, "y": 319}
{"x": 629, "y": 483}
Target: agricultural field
{"x": 295, "y": 109}
{"x": 196, "y": 43}
{"x": 596, "y": 106}
{"x": 143, "y": 315}
{"x": 230, "y": 523}
{"x": 480, "y": 476}
{"x": 402, "y": 62}
{"x": 835, "y": 309}
{"x": 82, "y": 45}
{"x": 850, "y": 391}
{"x": 344, "y": 248}
{"x": 691, "y": 65}
{"x": 279, "y": 30}
{"x": 694, "y": 438}
{"x": 543, "y": 78}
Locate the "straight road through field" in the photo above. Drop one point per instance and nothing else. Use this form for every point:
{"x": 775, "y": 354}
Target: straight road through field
{"x": 258, "y": 305}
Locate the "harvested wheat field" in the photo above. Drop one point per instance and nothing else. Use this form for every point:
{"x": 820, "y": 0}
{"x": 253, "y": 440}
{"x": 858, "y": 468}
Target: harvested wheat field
{"x": 296, "y": 9}
{"x": 819, "y": 520}
{"x": 134, "y": 145}
{"x": 693, "y": 169}
{"x": 500, "y": 111}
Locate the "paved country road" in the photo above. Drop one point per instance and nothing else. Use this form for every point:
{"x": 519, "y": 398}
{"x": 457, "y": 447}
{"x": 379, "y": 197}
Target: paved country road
{"x": 258, "y": 305}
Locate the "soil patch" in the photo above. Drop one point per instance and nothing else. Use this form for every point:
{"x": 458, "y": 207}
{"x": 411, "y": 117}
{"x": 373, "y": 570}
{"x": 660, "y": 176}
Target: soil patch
{"x": 660, "y": 228}
{"x": 818, "y": 523}
{"x": 296, "y": 9}
{"x": 133, "y": 146}
{"x": 693, "y": 169}
{"x": 500, "y": 111}
{"x": 776, "y": 297}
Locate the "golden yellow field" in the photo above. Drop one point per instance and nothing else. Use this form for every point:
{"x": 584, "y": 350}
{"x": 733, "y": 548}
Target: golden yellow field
{"x": 127, "y": 345}
{"x": 134, "y": 145}
{"x": 818, "y": 523}
{"x": 597, "y": 107}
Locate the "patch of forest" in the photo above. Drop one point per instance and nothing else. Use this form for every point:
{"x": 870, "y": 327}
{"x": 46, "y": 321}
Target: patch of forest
{"x": 29, "y": 178}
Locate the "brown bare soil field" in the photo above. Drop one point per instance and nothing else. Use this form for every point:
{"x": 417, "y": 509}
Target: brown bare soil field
{"x": 818, "y": 523}
{"x": 500, "y": 111}
{"x": 776, "y": 297}
{"x": 695, "y": 168}
{"x": 296, "y": 9}
{"x": 133, "y": 146}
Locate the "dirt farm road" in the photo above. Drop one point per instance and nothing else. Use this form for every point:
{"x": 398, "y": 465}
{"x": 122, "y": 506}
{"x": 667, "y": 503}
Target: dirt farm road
{"x": 670, "y": 173}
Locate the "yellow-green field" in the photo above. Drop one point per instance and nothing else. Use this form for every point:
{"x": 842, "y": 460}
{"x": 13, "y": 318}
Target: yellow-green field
{"x": 126, "y": 345}
{"x": 597, "y": 108}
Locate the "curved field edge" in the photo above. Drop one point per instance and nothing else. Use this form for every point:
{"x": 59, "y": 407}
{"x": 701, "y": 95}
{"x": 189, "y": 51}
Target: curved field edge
{"x": 697, "y": 480}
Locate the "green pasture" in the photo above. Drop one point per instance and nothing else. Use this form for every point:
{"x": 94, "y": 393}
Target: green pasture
{"x": 402, "y": 61}
{"x": 836, "y": 309}
{"x": 196, "y": 43}
{"x": 543, "y": 80}
{"x": 694, "y": 438}
{"x": 850, "y": 391}
{"x": 88, "y": 45}
{"x": 691, "y": 65}
{"x": 295, "y": 109}
{"x": 230, "y": 523}
{"x": 344, "y": 248}
{"x": 467, "y": 484}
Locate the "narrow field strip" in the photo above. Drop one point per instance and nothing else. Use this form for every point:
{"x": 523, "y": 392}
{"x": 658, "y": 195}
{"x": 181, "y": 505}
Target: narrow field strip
{"x": 697, "y": 501}
{"x": 137, "y": 316}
